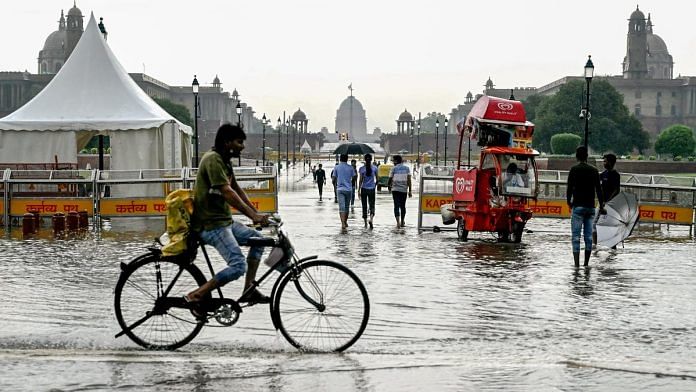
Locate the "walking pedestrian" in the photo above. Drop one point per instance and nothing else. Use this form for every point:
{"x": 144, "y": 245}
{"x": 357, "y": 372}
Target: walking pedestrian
{"x": 320, "y": 179}
{"x": 343, "y": 173}
{"x": 353, "y": 183}
{"x": 333, "y": 181}
{"x": 366, "y": 191}
{"x": 314, "y": 173}
{"x": 583, "y": 184}
{"x": 400, "y": 186}
{"x": 610, "y": 179}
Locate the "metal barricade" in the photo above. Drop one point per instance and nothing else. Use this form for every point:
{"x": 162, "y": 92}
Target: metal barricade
{"x": 115, "y": 193}
{"x": 46, "y": 192}
{"x": 435, "y": 189}
{"x": 662, "y": 199}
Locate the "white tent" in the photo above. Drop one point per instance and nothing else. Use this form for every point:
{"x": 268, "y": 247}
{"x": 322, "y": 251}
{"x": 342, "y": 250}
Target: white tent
{"x": 93, "y": 95}
{"x": 305, "y": 147}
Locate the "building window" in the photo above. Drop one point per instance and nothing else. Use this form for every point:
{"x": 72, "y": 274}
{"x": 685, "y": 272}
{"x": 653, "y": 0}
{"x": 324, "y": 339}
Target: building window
{"x": 636, "y": 110}
{"x": 674, "y": 94}
{"x": 673, "y": 110}
{"x": 638, "y": 94}
{"x": 658, "y": 110}
{"x": 659, "y": 94}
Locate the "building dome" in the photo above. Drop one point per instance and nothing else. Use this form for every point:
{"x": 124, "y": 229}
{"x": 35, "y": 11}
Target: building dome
{"x": 345, "y": 105}
{"x": 216, "y": 80}
{"x": 55, "y": 41}
{"x": 637, "y": 14}
{"x": 489, "y": 84}
{"x": 405, "y": 116}
{"x": 299, "y": 115}
{"x": 656, "y": 45}
{"x": 74, "y": 11}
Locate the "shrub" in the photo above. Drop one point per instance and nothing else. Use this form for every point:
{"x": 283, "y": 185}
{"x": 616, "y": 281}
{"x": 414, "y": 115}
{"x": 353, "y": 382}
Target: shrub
{"x": 677, "y": 158}
{"x": 84, "y": 151}
{"x": 691, "y": 158}
{"x": 108, "y": 150}
{"x": 651, "y": 157}
{"x": 565, "y": 143}
{"x": 677, "y": 140}
{"x": 640, "y": 157}
{"x": 94, "y": 150}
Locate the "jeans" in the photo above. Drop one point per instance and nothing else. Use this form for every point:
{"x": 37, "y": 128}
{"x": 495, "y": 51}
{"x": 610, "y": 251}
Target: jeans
{"x": 582, "y": 220}
{"x": 343, "y": 201}
{"x": 226, "y": 240}
{"x": 399, "y": 204}
{"x": 367, "y": 195}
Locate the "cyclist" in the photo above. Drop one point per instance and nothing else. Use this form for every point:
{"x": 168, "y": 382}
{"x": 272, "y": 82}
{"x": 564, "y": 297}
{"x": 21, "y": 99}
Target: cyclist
{"x": 215, "y": 191}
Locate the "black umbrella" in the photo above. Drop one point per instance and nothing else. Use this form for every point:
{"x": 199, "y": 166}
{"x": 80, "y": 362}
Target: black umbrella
{"x": 353, "y": 148}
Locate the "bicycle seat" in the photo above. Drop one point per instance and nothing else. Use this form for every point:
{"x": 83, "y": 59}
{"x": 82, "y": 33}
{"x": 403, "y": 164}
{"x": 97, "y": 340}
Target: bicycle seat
{"x": 263, "y": 241}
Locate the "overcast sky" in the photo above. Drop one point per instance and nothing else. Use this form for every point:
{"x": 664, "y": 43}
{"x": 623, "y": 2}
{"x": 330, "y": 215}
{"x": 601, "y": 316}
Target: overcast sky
{"x": 420, "y": 55}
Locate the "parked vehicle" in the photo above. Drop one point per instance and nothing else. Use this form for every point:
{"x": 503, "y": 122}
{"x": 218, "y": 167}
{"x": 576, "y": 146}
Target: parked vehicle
{"x": 493, "y": 196}
{"x": 383, "y": 175}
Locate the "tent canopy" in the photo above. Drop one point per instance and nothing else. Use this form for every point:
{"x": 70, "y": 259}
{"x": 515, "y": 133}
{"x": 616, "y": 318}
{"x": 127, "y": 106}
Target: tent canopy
{"x": 93, "y": 94}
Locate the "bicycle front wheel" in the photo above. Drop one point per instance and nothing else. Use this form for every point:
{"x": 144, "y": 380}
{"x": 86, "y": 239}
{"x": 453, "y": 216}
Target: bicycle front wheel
{"x": 321, "y": 306}
{"x": 150, "y": 279}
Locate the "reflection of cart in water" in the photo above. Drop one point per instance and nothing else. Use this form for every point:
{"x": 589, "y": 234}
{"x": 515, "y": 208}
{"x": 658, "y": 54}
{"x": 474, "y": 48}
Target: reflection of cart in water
{"x": 494, "y": 196}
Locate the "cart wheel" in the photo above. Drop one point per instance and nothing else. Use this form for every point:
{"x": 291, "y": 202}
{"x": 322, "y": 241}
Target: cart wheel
{"x": 379, "y": 188}
{"x": 503, "y": 236}
{"x": 462, "y": 233}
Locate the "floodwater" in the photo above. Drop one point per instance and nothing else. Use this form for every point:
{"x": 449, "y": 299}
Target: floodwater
{"x": 446, "y": 315}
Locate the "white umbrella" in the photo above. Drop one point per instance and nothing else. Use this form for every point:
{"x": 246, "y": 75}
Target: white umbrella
{"x": 618, "y": 223}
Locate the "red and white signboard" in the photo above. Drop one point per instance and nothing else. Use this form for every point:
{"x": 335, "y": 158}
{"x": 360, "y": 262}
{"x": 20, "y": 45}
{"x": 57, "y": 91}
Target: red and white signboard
{"x": 464, "y": 186}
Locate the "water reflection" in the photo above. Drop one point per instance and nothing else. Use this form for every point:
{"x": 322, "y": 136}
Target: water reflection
{"x": 445, "y": 314}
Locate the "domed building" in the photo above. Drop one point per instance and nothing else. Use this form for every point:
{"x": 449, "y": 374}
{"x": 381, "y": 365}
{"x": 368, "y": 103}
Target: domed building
{"x": 660, "y": 62}
{"x": 60, "y": 43}
{"x": 404, "y": 125}
{"x": 352, "y": 121}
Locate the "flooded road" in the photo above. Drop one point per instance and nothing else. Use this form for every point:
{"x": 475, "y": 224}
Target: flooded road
{"x": 446, "y": 315}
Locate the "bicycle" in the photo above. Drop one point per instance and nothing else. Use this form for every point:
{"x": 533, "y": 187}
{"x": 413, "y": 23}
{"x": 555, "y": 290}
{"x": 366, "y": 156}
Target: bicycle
{"x": 318, "y": 305}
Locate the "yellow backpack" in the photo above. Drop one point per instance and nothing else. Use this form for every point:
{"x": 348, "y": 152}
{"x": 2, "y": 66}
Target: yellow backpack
{"x": 179, "y": 209}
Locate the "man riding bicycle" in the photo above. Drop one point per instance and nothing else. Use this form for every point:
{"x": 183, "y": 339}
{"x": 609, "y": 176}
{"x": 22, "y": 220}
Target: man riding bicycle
{"x": 215, "y": 191}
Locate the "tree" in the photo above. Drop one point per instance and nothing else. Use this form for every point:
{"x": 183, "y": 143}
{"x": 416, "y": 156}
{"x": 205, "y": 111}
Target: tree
{"x": 179, "y": 112}
{"x": 677, "y": 140}
{"x": 565, "y": 143}
{"x": 531, "y": 104}
{"x": 612, "y": 127}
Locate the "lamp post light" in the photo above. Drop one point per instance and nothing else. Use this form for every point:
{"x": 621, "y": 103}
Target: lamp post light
{"x": 239, "y": 113}
{"x": 589, "y": 72}
{"x": 446, "y": 132}
{"x": 194, "y": 87}
{"x": 437, "y": 142}
{"x": 263, "y": 141}
{"x": 279, "y": 129}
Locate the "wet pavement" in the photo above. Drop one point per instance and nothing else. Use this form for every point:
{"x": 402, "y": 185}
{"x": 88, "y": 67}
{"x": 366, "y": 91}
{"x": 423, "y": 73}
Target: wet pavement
{"x": 446, "y": 315}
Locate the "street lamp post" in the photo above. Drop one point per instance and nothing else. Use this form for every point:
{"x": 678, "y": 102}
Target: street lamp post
{"x": 419, "y": 125}
{"x": 294, "y": 145}
{"x": 437, "y": 142}
{"x": 287, "y": 145}
{"x": 194, "y": 87}
{"x": 589, "y": 72}
{"x": 239, "y": 124}
{"x": 446, "y": 131}
{"x": 263, "y": 141}
{"x": 279, "y": 129}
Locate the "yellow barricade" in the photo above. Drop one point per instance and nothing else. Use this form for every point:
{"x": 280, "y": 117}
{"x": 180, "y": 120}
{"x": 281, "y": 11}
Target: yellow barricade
{"x": 47, "y": 207}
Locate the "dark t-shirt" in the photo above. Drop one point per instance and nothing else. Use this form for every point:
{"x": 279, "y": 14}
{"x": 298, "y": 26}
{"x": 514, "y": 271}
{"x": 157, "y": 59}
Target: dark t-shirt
{"x": 210, "y": 209}
{"x": 583, "y": 184}
{"x": 611, "y": 183}
{"x": 321, "y": 176}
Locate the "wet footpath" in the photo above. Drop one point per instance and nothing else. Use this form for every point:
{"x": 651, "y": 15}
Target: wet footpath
{"x": 445, "y": 315}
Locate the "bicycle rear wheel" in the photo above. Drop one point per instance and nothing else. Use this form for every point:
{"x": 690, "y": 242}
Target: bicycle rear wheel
{"x": 143, "y": 283}
{"x": 321, "y": 306}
